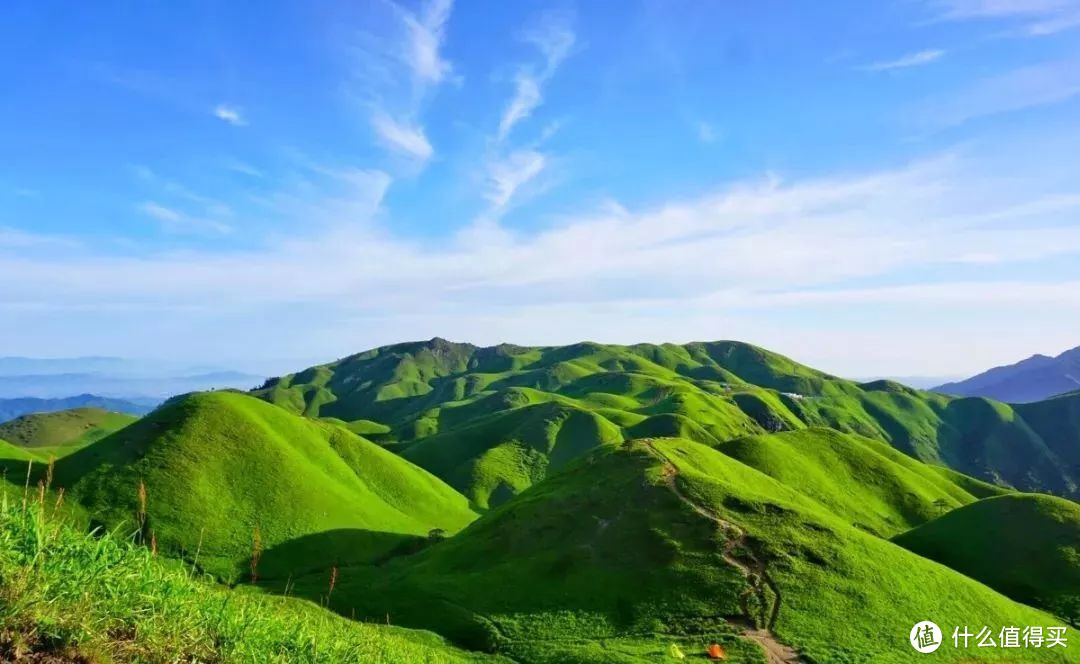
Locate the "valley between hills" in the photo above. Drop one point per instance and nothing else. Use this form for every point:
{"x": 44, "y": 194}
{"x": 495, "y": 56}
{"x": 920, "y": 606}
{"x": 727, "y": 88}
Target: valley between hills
{"x": 437, "y": 501}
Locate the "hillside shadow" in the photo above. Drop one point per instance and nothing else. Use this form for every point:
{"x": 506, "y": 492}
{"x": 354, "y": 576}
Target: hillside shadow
{"x": 346, "y": 547}
{"x": 349, "y": 571}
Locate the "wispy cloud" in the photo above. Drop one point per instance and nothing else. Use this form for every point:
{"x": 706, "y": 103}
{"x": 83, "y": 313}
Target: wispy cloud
{"x": 506, "y": 176}
{"x": 426, "y": 32}
{"x": 230, "y": 114}
{"x": 397, "y": 66}
{"x": 405, "y": 139}
{"x": 1028, "y": 87}
{"x": 175, "y": 221}
{"x": 511, "y": 169}
{"x": 967, "y": 9}
{"x": 751, "y": 247}
{"x": 554, "y": 39}
{"x": 242, "y": 167}
{"x": 1039, "y": 17}
{"x": 915, "y": 59}
{"x": 1053, "y": 24}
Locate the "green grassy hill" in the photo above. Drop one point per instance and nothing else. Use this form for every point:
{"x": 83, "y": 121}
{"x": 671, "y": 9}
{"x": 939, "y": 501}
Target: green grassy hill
{"x": 866, "y": 482}
{"x": 634, "y": 499}
{"x": 1026, "y": 546}
{"x": 70, "y": 597}
{"x": 634, "y": 547}
{"x": 221, "y": 474}
{"x": 490, "y": 420}
{"x": 62, "y": 432}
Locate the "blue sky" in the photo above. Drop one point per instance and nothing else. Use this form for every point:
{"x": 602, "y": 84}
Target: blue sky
{"x": 872, "y": 188}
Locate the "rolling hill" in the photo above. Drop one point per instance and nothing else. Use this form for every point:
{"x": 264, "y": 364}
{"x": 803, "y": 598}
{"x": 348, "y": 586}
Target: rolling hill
{"x": 677, "y": 544}
{"x": 1036, "y": 378}
{"x": 213, "y": 476}
{"x": 62, "y": 432}
{"x": 866, "y": 482}
{"x": 493, "y": 421}
{"x": 597, "y": 503}
{"x": 1025, "y": 546}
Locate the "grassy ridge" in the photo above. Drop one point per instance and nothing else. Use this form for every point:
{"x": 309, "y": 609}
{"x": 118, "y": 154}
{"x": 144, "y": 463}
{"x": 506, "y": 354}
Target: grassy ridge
{"x": 625, "y": 560}
{"x": 868, "y": 483}
{"x": 62, "y": 432}
{"x": 1024, "y": 545}
{"x": 476, "y": 416}
{"x": 66, "y": 596}
{"x": 216, "y": 476}
{"x": 840, "y": 584}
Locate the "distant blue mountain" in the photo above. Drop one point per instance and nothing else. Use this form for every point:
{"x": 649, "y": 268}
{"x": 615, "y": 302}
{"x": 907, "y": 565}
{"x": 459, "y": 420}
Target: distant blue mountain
{"x": 12, "y": 408}
{"x": 119, "y": 378}
{"x": 1034, "y": 379}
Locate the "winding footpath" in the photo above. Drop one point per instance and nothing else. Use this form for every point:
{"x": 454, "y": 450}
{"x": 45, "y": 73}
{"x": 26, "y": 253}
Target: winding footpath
{"x": 755, "y": 572}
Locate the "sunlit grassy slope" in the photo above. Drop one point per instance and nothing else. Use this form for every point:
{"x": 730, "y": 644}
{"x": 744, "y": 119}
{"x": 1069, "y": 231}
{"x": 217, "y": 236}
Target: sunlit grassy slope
{"x": 224, "y": 473}
{"x": 632, "y": 498}
{"x": 1026, "y": 546}
{"x": 606, "y": 551}
{"x": 864, "y": 481}
{"x": 62, "y": 432}
{"x": 493, "y": 421}
{"x": 70, "y": 597}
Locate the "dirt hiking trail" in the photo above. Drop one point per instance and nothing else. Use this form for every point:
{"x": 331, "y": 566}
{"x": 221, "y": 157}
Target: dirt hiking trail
{"x": 755, "y": 571}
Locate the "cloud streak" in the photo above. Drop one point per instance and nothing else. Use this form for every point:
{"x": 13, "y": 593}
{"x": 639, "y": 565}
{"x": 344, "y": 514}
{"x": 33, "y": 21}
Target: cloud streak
{"x": 175, "y": 221}
{"x": 507, "y": 176}
{"x": 404, "y": 139}
{"x": 229, "y": 114}
{"x": 1027, "y": 87}
{"x": 917, "y": 59}
{"x": 1040, "y": 17}
{"x": 554, "y": 39}
{"x": 743, "y": 252}
{"x": 397, "y": 66}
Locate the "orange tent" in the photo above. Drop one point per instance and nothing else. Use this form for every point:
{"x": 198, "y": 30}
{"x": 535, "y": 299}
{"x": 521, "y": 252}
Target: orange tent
{"x": 716, "y": 651}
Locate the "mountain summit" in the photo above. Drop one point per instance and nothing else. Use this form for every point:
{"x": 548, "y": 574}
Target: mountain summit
{"x": 1036, "y": 378}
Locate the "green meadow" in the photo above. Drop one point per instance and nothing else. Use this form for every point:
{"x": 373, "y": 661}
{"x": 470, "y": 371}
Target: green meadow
{"x": 434, "y": 501}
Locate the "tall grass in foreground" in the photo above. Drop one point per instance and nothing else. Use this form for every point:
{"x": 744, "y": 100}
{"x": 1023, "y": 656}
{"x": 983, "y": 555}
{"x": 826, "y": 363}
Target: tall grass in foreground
{"x": 83, "y": 598}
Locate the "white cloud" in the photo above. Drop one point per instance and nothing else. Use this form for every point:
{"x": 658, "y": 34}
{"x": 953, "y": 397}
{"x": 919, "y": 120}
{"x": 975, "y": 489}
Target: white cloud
{"x": 724, "y": 264}
{"x": 554, "y": 39}
{"x": 526, "y": 98}
{"x": 398, "y": 63}
{"x": 1028, "y": 87}
{"x": 244, "y": 168}
{"x": 1053, "y": 25}
{"x": 1040, "y": 17}
{"x": 230, "y": 114}
{"x": 426, "y": 32}
{"x": 916, "y": 59}
{"x": 968, "y": 9}
{"x": 505, "y": 177}
{"x": 175, "y": 221}
{"x": 405, "y": 139}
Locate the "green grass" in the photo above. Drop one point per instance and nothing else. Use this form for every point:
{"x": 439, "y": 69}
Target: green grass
{"x": 217, "y": 468}
{"x": 868, "y": 483}
{"x": 475, "y": 403}
{"x": 1026, "y": 546}
{"x": 848, "y": 596}
{"x": 67, "y": 596}
{"x": 603, "y": 551}
{"x": 591, "y": 548}
{"x": 62, "y": 432}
